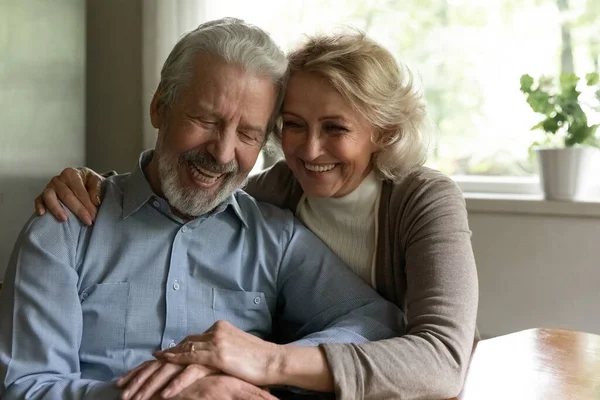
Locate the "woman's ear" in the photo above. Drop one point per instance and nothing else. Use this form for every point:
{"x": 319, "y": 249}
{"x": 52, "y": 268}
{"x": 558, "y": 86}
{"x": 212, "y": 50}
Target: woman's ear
{"x": 379, "y": 139}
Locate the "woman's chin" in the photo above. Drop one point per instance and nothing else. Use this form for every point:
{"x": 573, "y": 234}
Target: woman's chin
{"x": 312, "y": 190}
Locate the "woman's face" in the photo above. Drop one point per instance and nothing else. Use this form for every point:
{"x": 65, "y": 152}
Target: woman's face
{"x": 327, "y": 145}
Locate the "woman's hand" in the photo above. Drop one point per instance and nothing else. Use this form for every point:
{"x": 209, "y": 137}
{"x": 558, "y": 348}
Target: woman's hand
{"x": 230, "y": 350}
{"x": 78, "y": 188}
{"x": 146, "y": 380}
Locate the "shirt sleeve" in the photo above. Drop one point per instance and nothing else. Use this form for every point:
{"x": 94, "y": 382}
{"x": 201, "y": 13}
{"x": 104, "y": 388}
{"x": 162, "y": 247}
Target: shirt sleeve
{"x": 41, "y": 319}
{"x": 322, "y": 301}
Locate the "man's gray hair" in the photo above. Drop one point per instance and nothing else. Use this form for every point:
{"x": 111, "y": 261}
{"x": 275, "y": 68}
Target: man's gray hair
{"x": 232, "y": 40}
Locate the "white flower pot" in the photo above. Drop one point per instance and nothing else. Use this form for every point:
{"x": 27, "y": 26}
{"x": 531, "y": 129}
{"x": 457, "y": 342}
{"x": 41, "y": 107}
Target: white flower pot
{"x": 564, "y": 171}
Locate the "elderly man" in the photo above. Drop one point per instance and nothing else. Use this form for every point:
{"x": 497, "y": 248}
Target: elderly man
{"x": 176, "y": 248}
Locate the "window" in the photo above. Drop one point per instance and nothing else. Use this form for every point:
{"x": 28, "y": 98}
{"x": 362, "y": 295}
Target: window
{"x": 470, "y": 55}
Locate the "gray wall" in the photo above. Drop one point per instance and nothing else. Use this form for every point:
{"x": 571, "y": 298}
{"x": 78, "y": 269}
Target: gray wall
{"x": 536, "y": 271}
{"x": 70, "y": 95}
{"x": 42, "y": 103}
{"x": 114, "y": 84}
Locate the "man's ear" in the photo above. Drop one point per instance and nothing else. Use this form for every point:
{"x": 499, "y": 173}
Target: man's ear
{"x": 157, "y": 109}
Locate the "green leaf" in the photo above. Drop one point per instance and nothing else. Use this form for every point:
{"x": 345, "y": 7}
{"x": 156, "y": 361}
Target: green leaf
{"x": 592, "y": 140}
{"x": 540, "y": 102}
{"x": 572, "y": 108}
{"x": 578, "y": 133}
{"x": 568, "y": 80}
{"x": 560, "y": 118}
{"x": 592, "y": 78}
{"x": 526, "y": 83}
{"x": 570, "y": 141}
{"x": 539, "y": 125}
{"x": 550, "y": 125}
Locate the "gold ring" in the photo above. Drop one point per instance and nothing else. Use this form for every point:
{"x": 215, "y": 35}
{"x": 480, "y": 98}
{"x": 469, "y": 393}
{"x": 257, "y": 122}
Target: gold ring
{"x": 193, "y": 348}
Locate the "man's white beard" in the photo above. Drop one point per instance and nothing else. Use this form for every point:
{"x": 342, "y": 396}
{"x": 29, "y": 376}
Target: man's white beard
{"x": 189, "y": 201}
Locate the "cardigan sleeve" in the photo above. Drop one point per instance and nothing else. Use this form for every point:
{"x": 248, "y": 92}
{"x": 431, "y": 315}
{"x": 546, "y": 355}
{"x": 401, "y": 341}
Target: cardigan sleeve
{"x": 430, "y": 361}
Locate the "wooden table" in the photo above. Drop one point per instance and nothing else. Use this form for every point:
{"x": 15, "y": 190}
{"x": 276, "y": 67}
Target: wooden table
{"x": 536, "y": 364}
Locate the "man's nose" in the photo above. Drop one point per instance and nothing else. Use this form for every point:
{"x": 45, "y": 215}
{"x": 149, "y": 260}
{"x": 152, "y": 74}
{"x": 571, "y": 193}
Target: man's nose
{"x": 222, "y": 146}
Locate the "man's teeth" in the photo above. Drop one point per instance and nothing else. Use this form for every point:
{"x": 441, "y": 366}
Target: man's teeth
{"x": 202, "y": 174}
{"x": 319, "y": 167}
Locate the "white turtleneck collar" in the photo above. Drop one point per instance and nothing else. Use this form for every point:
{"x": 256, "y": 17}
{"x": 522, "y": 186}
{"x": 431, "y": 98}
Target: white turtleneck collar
{"x": 347, "y": 224}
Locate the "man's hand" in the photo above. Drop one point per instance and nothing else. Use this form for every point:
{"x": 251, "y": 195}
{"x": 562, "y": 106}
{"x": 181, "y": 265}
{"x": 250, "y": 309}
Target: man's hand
{"x": 146, "y": 380}
{"x": 230, "y": 350}
{"x": 221, "y": 387}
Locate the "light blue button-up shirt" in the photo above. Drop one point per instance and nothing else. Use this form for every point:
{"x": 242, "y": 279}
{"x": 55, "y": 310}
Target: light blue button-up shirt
{"x": 83, "y": 305}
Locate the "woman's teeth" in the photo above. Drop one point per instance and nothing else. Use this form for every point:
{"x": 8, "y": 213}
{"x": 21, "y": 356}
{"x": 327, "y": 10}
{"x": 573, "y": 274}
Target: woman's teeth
{"x": 203, "y": 175}
{"x": 319, "y": 167}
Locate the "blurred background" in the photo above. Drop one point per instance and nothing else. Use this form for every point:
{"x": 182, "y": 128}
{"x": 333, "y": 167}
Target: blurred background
{"x": 76, "y": 78}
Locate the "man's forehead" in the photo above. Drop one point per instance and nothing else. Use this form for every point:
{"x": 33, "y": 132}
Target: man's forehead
{"x": 254, "y": 106}
{"x": 221, "y": 107}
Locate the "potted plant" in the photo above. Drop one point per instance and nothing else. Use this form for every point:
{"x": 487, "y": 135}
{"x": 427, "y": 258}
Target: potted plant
{"x": 570, "y": 142}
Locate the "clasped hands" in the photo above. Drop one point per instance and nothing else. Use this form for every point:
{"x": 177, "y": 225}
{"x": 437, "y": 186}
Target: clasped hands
{"x": 223, "y": 362}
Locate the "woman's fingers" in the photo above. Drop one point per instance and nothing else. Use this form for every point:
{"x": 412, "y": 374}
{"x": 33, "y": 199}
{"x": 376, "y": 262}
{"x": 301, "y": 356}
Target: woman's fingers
{"x": 70, "y": 199}
{"x": 39, "y": 206}
{"x": 190, "y": 375}
{"x": 201, "y": 357}
{"x": 186, "y": 353}
{"x": 190, "y": 343}
{"x": 78, "y": 189}
{"x": 81, "y": 182}
{"x": 50, "y": 200}
{"x": 93, "y": 185}
{"x": 75, "y": 182}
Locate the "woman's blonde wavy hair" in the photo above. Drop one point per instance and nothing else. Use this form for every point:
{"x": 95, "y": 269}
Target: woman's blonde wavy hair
{"x": 379, "y": 88}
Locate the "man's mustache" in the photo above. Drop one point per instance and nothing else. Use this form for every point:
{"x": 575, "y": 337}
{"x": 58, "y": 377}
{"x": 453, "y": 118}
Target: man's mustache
{"x": 207, "y": 161}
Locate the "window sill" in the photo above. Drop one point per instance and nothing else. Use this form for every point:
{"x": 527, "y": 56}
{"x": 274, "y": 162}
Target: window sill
{"x": 530, "y": 204}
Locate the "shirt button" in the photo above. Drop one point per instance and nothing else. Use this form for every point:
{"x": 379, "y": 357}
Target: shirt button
{"x": 156, "y": 203}
{"x": 84, "y": 296}
{"x": 176, "y": 286}
{"x": 257, "y": 300}
{"x": 172, "y": 344}
{"x": 184, "y": 229}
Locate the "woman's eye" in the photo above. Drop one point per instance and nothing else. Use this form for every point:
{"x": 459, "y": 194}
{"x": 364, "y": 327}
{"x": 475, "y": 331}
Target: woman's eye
{"x": 336, "y": 128}
{"x": 291, "y": 124}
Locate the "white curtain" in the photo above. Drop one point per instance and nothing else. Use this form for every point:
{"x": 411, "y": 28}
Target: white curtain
{"x": 164, "y": 22}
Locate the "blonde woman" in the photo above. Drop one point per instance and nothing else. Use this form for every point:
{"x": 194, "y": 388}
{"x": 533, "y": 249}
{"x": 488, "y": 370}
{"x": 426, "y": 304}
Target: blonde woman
{"x": 352, "y": 132}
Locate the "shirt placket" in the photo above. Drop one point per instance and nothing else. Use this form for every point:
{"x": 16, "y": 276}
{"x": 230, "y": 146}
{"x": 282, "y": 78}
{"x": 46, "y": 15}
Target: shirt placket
{"x": 176, "y": 312}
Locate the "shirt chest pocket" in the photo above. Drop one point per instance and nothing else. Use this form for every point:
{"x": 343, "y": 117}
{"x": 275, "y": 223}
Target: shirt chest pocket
{"x": 249, "y": 311}
{"x": 104, "y": 308}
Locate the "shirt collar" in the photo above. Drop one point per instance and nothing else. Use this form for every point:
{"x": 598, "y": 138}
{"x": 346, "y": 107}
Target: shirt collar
{"x": 138, "y": 192}
{"x": 137, "y": 189}
{"x": 235, "y": 205}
